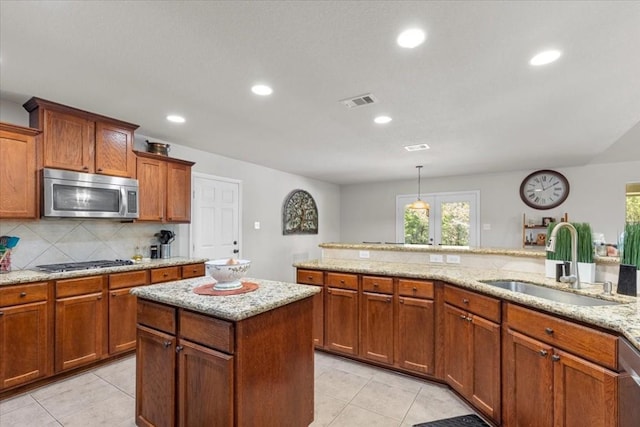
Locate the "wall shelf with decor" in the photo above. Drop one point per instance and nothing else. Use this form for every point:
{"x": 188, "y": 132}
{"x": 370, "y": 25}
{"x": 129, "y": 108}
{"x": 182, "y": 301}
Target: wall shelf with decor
{"x": 534, "y": 232}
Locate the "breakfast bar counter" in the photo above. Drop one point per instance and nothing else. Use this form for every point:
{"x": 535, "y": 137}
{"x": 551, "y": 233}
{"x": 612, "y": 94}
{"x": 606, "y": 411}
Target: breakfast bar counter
{"x": 224, "y": 360}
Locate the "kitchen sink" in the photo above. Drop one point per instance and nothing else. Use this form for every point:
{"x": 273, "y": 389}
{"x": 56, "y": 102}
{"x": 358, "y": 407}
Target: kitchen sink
{"x": 548, "y": 293}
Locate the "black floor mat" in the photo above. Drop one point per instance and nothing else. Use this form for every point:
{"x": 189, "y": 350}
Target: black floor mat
{"x": 463, "y": 421}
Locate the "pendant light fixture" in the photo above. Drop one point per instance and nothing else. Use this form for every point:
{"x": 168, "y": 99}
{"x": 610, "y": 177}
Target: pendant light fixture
{"x": 419, "y": 204}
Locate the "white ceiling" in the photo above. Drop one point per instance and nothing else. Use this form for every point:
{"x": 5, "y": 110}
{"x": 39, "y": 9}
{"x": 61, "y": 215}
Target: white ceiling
{"x": 468, "y": 91}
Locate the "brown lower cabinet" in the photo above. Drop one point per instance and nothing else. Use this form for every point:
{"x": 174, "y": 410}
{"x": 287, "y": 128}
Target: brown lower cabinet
{"x": 197, "y": 370}
{"x": 122, "y": 309}
{"x": 341, "y": 321}
{"x": 569, "y": 390}
{"x": 315, "y": 278}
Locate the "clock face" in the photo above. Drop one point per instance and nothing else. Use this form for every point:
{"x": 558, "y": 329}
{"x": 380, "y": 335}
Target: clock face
{"x": 544, "y": 189}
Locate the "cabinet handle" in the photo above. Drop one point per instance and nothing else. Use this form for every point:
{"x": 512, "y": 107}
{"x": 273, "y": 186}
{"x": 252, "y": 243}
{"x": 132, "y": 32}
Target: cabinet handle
{"x": 166, "y": 344}
{"x": 114, "y": 294}
{"x": 465, "y": 301}
{"x": 401, "y": 300}
{"x": 375, "y": 285}
{"x": 463, "y": 317}
{"x": 165, "y": 274}
{"x": 415, "y": 289}
{"x": 85, "y": 168}
{"x": 469, "y": 318}
{"x": 310, "y": 278}
{"x": 543, "y": 353}
{"x": 100, "y": 297}
{"x": 388, "y": 300}
{"x": 23, "y": 294}
{"x": 1, "y": 313}
{"x": 549, "y": 331}
{"x": 342, "y": 282}
{"x": 100, "y": 170}
{"x": 179, "y": 349}
{"x": 555, "y": 357}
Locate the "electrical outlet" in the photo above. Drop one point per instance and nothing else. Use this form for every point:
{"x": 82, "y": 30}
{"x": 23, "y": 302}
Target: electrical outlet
{"x": 453, "y": 259}
{"x": 364, "y": 254}
{"x": 435, "y": 258}
{"x": 256, "y": 225}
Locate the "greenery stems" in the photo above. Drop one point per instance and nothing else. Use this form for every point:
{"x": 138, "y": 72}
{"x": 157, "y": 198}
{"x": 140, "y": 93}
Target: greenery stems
{"x": 563, "y": 243}
{"x": 631, "y": 247}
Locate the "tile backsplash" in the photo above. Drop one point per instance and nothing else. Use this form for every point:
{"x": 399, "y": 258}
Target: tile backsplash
{"x": 58, "y": 240}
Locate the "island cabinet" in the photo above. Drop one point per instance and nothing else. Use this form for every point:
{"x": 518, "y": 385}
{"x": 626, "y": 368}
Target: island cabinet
{"x": 77, "y": 140}
{"x": 415, "y": 332}
{"x": 122, "y": 309}
{"x": 25, "y": 334}
{"x": 165, "y": 188}
{"x": 377, "y": 319}
{"x": 18, "y": 178}
{"x": 341, "y": 322}
{"x": 197, "y": 370}
{"x": 472, "y": 348}
{"x": 557, "y": 372}
{"x": 80, "y": 322}
{"x": 315, "y": 278}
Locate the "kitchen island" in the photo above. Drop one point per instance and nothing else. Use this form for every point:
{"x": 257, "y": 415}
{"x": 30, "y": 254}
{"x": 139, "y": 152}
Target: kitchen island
{"x": 235, "y": 360}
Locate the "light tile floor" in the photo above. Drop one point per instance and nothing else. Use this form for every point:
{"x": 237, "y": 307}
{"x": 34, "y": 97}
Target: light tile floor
{"x": 347, "y": 394}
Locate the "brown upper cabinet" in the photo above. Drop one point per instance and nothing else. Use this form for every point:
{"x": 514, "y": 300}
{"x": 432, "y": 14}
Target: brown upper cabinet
{"x": 81, "y": 141}
{"x": 165, "y": 188}
{"x": 18, "y": 190}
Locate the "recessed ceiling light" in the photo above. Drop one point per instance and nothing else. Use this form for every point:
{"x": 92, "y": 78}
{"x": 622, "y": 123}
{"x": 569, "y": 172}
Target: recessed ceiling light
{"x": 411, "y": 38}
{"x": 175, "y": 119}
{"x": 545, "y": 57}
{"x": 262, "y": 90}
{"x": 381, "y": 120}
{"x": 416, "y": 147}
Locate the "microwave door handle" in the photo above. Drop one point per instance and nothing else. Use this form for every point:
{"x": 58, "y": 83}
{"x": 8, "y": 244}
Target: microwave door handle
{"x": 124, "y": 200}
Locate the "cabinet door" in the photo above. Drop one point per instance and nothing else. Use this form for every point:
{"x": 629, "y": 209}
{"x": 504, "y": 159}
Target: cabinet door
{"x": 23, "y": 343}
{"x": 17, "y": 175}
{"x": 122, "y": 320}
{"x": 376, "y": 327}
{"x": 178, "y": 192}
{"x": 528, "y": 381}
{"x": 151, "y": 175}
{"x": 79, "y": 330}
{"x": 155, "y": 379}
{"x": 458, "y": 367}
{"x": 114, "y": 151}
{"x": 585, "y": 393}
{"x": 415, "y": 351}
{"x": 342, "y": 321}
{"x": 485, "y": 385}
{"x": 204, "y": 373}
{"x": 69, "y": 142}
{"x": 318, "y": 318}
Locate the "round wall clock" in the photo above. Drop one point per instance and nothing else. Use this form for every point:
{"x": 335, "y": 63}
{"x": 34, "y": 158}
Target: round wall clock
{"x": 544, "y": 189}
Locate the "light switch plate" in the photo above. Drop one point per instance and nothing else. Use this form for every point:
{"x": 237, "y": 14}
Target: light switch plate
{"x": 435, "y": 258}
{"x": 453, "y": 259}
{"x": 256, "y": 225}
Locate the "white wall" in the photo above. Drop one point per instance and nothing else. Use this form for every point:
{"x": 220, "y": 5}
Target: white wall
{"x": 597, "y": 196}
{"x": 263, "y": 194}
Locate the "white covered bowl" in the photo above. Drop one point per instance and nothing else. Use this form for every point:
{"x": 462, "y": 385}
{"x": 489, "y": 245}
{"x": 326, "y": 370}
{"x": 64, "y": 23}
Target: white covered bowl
{"x": 229, "y": 272}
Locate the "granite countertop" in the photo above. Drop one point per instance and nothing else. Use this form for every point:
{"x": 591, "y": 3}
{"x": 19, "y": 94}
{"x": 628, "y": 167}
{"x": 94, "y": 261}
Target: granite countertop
{"x": 27, "y": 276}
{"x": 269, "y": 295}
{"x": 623, "y": 318}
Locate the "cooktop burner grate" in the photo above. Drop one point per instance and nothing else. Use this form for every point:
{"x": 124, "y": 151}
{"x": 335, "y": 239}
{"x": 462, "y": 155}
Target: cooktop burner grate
{"x": 85, "y": 265}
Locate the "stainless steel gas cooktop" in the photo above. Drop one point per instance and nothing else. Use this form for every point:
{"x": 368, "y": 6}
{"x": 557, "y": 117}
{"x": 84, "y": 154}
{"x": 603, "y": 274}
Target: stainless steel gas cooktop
{"x": 85, "y": 265}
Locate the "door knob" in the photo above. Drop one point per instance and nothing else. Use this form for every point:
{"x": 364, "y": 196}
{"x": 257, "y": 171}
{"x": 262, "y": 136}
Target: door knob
{"x": 235, "y": 251}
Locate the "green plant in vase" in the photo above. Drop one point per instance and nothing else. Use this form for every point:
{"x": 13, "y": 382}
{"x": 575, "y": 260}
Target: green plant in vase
{"x": 630, "y": 261}
{"x": 562, "y": 252}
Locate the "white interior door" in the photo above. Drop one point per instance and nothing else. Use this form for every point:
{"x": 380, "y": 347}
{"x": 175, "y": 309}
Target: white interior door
{"x": 215, "y": 220}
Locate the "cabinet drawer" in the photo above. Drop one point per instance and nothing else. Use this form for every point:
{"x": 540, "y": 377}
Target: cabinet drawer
{"x": 128, "y": 279}
{"x": 157, "y": 316}
{"x": 345, "y": 281}
{"x": 481, "y": 305}
{"x": 80, "y": 286}
{"x": 383, "y": 285}
{"x": 165, "y": 274}
{"x": 585, "y": 342}
{"x": 415, "y": 288}
{"x": 214, "y": 333}
{"x": 309, "y": 277}
{"x": 22, "y": 294}
{"x": 192, "y": 270}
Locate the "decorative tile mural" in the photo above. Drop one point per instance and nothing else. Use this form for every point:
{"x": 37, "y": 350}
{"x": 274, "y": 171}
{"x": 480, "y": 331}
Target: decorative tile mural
{"x": 57, "y": 241}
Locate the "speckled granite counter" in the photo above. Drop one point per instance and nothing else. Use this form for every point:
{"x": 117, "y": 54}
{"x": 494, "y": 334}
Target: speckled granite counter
{"x": 26, "y": 276}
{"x": 269, "y": 295}
{"x": 623, "y": 318}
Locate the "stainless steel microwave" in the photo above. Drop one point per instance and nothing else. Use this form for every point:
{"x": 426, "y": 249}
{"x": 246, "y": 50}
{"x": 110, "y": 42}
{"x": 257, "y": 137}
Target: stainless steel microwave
{"x": 68, "y": 194}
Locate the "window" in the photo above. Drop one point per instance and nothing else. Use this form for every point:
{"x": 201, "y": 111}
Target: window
{"x": 452, "y": 220}
{"x": 633, "y": 203}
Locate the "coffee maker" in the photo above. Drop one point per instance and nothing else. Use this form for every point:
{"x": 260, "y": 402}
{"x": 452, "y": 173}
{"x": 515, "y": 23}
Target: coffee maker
{"x": 165, "y": 237}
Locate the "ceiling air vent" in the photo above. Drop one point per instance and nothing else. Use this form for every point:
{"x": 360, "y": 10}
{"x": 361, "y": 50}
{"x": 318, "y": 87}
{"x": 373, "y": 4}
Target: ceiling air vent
{"x": 359, "y": 101}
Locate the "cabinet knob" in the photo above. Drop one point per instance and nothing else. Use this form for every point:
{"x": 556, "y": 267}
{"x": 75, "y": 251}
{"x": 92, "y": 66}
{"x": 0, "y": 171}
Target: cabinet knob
{"x": 100, "y": 170}
{"x": 342, "y": 282}
{"x": 85, "y": 168}
{"x": 179, "y": 349}
{"x": 99, "y": 297}
{"x": 166, "y": 344}
{"x": 401, "y": 300}
{"x": 469, "y": 318}
{"x": 388, "y": 299}
{"x": 463, "y": 317}
{"x": 1, "y": 313}
{"x": 465, "y": 301}
{"x": 165, "y": 274}
{"x": 555, "y": 357}
{"x": 23, "y": 294}
{"x": 543, "y": 353}
{"x": 548, "y": 331}
{"x": 415, "y": 289}
{"x": 310, "y": 278}
{"x": 375, "y": 285}
{"x": 113, "y": 294}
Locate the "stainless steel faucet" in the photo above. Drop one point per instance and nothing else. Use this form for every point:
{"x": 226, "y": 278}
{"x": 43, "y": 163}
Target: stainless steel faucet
{"x": 574, "y": 278}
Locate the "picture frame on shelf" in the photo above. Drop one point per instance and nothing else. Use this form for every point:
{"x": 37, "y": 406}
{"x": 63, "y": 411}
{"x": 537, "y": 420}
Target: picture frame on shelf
{"x": 546, "y": 220}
